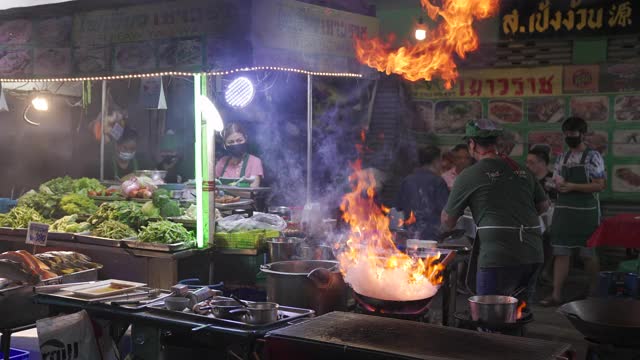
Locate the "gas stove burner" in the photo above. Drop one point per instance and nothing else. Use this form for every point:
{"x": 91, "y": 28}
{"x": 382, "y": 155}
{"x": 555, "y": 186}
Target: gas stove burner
{"x": 464, "y": 321}
{"x": 599, "y": 351}
{"x": 418, "y": 317}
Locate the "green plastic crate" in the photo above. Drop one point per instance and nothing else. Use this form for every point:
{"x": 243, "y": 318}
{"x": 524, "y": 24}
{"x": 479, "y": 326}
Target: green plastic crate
{"x": 244, "y": 240}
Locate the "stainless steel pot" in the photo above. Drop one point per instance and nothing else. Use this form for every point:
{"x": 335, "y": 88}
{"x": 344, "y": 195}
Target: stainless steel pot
{"x": 283, "y": 249}
{"x": 493, "y": 309}
{"x": 308, "y": 284}
{"x": 222, "y": 308}
{"x": 258, "y": 312}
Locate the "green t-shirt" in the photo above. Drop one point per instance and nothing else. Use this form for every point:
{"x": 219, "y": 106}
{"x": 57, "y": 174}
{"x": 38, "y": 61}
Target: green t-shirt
{"x": 499, "y": 196}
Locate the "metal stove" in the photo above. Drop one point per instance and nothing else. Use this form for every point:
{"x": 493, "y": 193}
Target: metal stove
{"x": 519, "y": 328}
{"x": 340, "y": 335}
{"x": 600, "y": 351}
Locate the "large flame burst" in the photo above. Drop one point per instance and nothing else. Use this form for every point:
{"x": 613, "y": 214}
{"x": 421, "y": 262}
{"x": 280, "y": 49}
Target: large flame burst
{"x": 435, "y": 55}
{"x": 369, "y": 260}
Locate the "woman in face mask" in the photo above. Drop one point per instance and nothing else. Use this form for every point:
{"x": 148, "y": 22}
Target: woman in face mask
{"x": 239, "y": 163}
{"x": 579, "y": 175}
{"x": 124, "y": 161}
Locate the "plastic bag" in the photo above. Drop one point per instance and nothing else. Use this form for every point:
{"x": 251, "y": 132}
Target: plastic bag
{"x": 67, "y": 337}
{"x": 259, "y": 221}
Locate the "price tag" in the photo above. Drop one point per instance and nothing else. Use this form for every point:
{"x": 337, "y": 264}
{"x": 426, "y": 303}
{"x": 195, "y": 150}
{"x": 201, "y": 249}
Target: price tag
{"x": 37, "y": 234}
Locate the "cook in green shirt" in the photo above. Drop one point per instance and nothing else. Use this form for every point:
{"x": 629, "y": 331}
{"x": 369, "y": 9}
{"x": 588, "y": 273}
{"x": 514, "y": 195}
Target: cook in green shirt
{"x": 505, "y": 200}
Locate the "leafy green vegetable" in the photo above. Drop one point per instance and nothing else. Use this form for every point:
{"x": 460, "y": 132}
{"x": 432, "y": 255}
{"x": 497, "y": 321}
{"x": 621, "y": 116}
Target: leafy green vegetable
{"x": 69, "y": 224}
{"x": 165, "y": 232}
{"x": 45, "y": 203}
{"x": 58, "y": 186}
{"x": 84, "y": 185}
{"x": 150, "y": 211}
{"x": 77, "y": 204}
{"x": 160, "y": 197}
{"x": 170, "y": 209}
{"x": 113, "y": 230}
{"x": 20, "y": 216}
{"x": 127, "y": 212}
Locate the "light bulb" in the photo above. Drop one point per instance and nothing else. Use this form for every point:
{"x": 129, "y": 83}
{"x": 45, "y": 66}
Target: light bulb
{"x": 421, "y": 34}
{"x": 40, "y": 103}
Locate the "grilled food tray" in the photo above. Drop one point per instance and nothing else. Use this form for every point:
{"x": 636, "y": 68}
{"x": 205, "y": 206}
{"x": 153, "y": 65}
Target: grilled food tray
{"x": 286, "y": 314}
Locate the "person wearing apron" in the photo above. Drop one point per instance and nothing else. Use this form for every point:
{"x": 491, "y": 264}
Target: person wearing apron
{"x": 239, "y": 163}
{"x": 579, "y": 175}
{"x": 505, "y": 201}
{"x": 124, "y": 161}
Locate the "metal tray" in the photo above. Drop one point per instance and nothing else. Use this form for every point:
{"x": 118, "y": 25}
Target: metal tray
{"x": 86, "y": 238}
{"x": 286, "y": 315}
{"x": 234, "y": 205}
{"x": 61, "y": 236}
{"x": 188, "y": 223}
{"x": 13, "y": 232}
{"x": 157, "y": 246}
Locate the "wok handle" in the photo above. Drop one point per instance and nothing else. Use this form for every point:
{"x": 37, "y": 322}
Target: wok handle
{"x": 572, "y": 315}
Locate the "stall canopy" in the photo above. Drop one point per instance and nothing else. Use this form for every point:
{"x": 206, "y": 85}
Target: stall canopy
{"x": 181, "y": 37}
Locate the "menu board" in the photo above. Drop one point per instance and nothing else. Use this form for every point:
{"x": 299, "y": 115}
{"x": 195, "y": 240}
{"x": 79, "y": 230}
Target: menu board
{"x": 613, "y": 118}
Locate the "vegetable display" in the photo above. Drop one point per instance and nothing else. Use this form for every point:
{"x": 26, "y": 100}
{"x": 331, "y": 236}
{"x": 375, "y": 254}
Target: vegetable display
{"x": 85, "y": 185}
{"x": 77, "y": 204}
{"x": 112, "y": 229}
{"x": 126, "y": 212}
{"x": 168, "y": 207}
{"x": 45, "y": 202}
{"x": 69, "y": 224}
{"x": 19, "y": 217}
{"x": 138, "y": 187}
{"x": 165, "y": 232}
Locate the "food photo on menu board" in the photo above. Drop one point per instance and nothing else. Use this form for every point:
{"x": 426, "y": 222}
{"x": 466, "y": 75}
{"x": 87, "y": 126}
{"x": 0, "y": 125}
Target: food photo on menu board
{"x": 506, "y": 111}
{"x": 590, "y": 108}
{"x": 423, "y": 116}
{"x": 626, "y": 178}
{"x": 597, "y": 140}
{"x": 626, "y": 142}
{"x": 135, "y": 57}
{"x": 451, "y": 117}
{"x": 627, "y": 108}
{"x": 554, "y": 139}
{"x": 545, "y": 109}
{"x": 510, "y": 143}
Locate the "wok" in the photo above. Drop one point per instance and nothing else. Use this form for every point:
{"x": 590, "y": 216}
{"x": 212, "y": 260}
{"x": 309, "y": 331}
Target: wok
{"x": 607, "y": 321}
{"x": 408, "y": 307}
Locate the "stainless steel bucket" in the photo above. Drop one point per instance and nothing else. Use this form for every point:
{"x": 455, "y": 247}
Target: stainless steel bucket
{"x": 308, "y": 284}
{"x": 493, "y": 309}
{"x": 283, "y": 249}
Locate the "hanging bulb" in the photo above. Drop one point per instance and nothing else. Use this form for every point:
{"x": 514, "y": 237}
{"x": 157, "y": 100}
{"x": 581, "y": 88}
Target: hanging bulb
{"x": 40, "y": 103}
{"x": 421, "y": 30}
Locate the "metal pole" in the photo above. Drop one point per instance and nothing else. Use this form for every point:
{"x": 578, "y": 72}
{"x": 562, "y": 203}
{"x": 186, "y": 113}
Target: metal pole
{"x": 102, "y": 121}
{"x": 309, "y": 133}
{"x": 211, "y": 158}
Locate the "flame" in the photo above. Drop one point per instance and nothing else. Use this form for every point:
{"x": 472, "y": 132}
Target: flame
{"x": 369, "y": 259}
{"x": 435, "y": 55}
{"x": 521, "y": 308}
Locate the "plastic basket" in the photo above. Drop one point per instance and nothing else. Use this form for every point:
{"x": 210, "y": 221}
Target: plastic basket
{"x": 244, "y": 240}
{"x": 16, "y": 354}
{"x": 7, "y": 204}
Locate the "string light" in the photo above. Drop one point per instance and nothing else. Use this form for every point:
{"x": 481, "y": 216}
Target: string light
{"x": 181, "y": 73}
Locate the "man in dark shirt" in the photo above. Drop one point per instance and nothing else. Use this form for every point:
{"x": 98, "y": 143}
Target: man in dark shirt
{"x": 538, "y": 164}
{"x": 425, "y": 194}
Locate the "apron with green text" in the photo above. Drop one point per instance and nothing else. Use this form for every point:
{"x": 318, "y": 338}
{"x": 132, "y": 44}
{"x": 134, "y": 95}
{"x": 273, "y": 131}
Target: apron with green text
{"x": 245, "y": 161}
{"x": 576, "y": 215}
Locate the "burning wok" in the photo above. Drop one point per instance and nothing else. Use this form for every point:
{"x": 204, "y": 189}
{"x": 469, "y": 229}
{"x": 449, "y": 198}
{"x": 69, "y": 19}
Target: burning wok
{"x": 409, "y": 306}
